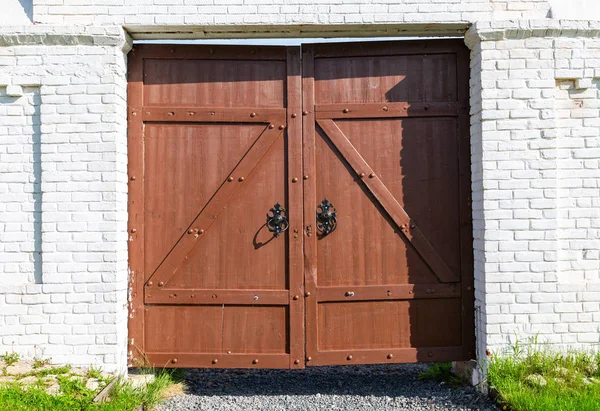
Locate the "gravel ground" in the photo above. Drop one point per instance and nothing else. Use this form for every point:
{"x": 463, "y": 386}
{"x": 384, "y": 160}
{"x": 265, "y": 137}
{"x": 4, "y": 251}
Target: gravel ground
{"x": 371, "y": 387}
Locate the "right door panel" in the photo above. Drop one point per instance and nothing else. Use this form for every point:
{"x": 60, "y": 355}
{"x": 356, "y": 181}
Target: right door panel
{"x": 388, "y": 251}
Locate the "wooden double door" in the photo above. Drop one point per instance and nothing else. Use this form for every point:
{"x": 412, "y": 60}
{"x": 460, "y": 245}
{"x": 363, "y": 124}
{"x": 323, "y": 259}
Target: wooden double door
{"x": 299, "y": 206}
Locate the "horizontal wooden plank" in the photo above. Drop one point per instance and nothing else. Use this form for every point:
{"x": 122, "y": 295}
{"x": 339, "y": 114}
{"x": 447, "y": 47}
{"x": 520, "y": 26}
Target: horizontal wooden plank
{"x": 214, "y": 114}
{"x": 388, "y": 292}
{"x": 387, "y": 48}
{"x": 190, "y": 296}
{"x": 217, "y": 360}
{"x": 206, "y": 52}
{"x": 383, "y": 110}
{"x": 391, "y": 356}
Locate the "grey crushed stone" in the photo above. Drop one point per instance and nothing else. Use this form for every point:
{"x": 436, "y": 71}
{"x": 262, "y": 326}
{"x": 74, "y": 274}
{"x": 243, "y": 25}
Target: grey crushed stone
{"x": 368, "y": 387}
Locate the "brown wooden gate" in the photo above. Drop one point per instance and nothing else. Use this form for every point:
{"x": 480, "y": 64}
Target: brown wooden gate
{"x": 387, "y": 141}
{"x": 219, "y": 136}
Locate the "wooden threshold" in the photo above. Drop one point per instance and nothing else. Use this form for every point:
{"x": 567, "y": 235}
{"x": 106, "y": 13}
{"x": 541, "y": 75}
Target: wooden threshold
{"x": 217, "y": 360}
{"x": 387, "y": 356}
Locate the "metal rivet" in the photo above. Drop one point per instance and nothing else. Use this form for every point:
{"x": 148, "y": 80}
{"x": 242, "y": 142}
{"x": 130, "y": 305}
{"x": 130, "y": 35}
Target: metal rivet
{"x": 241, "y": 179}
{"x": 304, "y": 113}
{"x": 191, "y": 113}
{"x": 132, "y": 178}
{"x": 134, "y": 114}
{"x": 190, "y": 231}
{"x": 295, "y": 297}
{"x": 192, "y": 296}
{"x": 170, "y": 113}
{"x": 133, "y": 230}
{"x": 349, "y": 293}
{"x": 430, "y": 354}
{"x": 255, "y": 297}
{"x": 349, "y": 357}
{"x": 405, "y": 107}
{"x": 390, "y": 356}
{"x": 160, "y": 284}
{"x": 211, "y": 51}
{"x": 345, "y": 110}
{"x": 294, "y": 180}
{"x": 255, "y": 361}
{"x": 294, "y": 115}
{"x": 412, "y": 226}
{"x": 372, "y": 175}
{"x": 253, "y": 52}
{"x": 214, "y": 296}
{"x": 281, "y": 127}
{"x": 305, "y": 177}
{"x": 296, "y": 361}
{"x": 150, "y": 283}
{"x": 361, "y": 175}
{"x": 228, "y": 352}
{"x": 307, "y": 294}
{"x": 230, "y": 179}
{"x": 200, "y": 231}
{"x": 174, "y": 360}
{"x": 215, "y": 361}
{"x": 252, "y": 114}
{"x": 308, "y": 358}
{"x": 385, "y": 108}
{"x": 271, "y": 126}
{"x": 172, "y": 50}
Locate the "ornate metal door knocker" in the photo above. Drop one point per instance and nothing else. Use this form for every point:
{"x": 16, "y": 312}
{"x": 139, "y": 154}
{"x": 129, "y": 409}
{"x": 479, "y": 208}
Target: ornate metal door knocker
{"x": 326, "y": 218}
{"x": 277, "y": 223}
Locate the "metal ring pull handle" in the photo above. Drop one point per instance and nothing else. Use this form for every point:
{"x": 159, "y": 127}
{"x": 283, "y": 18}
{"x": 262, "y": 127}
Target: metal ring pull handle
{"x": 326, "y": 218}
{"x": 277, "y": 223}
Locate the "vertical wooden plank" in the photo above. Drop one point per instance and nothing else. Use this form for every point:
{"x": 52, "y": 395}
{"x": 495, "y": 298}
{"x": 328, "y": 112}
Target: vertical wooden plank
{"x": 466, "y": 222}
{"x": 294, "y": 184}
{"x": 135, "y": 144}
{"x": 310, "y": 202}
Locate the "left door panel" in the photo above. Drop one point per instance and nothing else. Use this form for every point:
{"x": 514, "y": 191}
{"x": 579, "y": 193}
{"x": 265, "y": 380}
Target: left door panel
{"x": 211, "y": 154}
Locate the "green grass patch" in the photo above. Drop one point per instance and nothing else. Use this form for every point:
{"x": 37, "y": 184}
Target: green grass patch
{"x": 538, "y": 380}
{"x": 10, "y": 358}
{"x": 74, "y": 396}
{"x": 39, "y": 362}
{"x": 94, "y": 372}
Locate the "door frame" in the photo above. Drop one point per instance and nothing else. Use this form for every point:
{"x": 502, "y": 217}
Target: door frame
{"x": 300, "y": 124}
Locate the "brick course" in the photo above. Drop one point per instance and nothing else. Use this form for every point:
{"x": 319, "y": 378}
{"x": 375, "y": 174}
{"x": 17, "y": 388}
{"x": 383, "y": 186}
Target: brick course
{"x": 286, "y": 12}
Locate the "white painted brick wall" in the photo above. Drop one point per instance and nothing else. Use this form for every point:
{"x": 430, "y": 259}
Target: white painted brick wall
{"x": 536, "y": 179}
{"x": 280, "y": 12}
{"x": 65, "y": 137}
{"x": 536, "y": 182}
